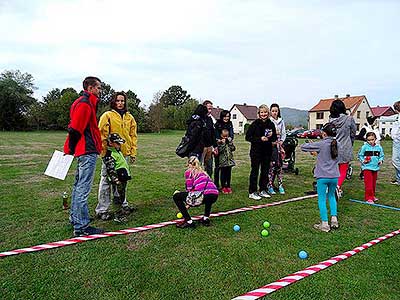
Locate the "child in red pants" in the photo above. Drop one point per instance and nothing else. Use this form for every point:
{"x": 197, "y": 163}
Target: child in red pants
{"x": 371, "y": 156}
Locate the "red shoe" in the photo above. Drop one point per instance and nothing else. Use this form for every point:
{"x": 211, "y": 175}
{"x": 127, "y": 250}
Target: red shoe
{"x": 370, "y": 201}
{"x": 229, "y": 190}
{"x": 225, "y": 191}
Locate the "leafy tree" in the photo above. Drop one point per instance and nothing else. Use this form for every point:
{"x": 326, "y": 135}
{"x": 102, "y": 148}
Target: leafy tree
{"x": 106, "y": 94}
{"x": 133, "y": 100}
{"x": 155, "y": 113}
{"x": 16, "y": 91}
{"x": 175, "y": 96}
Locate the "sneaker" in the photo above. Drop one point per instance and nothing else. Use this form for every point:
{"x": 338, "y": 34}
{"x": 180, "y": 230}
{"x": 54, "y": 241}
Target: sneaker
{"x": 126, "y": 210}
{"x": 370, "y": 201}
{"x": 376, "y": 199}
{"x": 338, "y": 192}
{"x": 205, "y": 222}
{"x": 281, "y": 190}
{"x": 229, "y": 190}
{"x": 395, "y": 182}
{"x": 254, "y": 196}
{"x": 185, "y": 224}
{"x": 271, "y": 190}
{"x": 334, "y": 224}
{"x": 265, "y": 194}
{"x": 88, "y": 231}
{"x": 104, "y": 216}
{"x": 321, "y": 227}
{"x": 225, "y": 191}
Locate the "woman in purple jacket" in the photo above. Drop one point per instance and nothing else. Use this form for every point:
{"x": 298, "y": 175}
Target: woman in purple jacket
{"x": 197, "y": 181}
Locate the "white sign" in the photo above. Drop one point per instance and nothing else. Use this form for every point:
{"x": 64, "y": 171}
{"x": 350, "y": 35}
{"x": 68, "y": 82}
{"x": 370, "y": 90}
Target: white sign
{"x": 59, "y": 165}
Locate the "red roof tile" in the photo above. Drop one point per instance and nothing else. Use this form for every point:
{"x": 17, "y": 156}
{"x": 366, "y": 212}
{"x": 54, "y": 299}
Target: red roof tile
{"x": 248, "y": 111}
{"x": 215, "y": 112}
{"x": 379, "y": 111}
{"x": 349, "y": 102}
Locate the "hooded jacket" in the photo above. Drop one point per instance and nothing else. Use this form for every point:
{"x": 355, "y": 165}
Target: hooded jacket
{"x": 256, "y": 130}
{"x": 112, "y": 122}
{"x": 374, "y": 154}
{"x": 195, "y": 132}
{"x": 280, "y": 128}
{"x": 345, "y": 135}
{"x": 83, "y": 132}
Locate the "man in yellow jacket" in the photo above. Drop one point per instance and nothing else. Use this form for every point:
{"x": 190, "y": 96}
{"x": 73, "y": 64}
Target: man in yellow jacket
{"x": 116, "y": 120}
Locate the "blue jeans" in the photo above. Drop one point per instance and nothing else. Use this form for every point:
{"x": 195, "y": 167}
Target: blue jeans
{"x": 79, "y": 213}
{"x": 326, "y": 187}
{"x": 396, "y": 159}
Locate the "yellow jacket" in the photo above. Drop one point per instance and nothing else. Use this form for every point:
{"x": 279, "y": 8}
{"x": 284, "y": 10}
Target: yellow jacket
{"x": 110, "y": 122}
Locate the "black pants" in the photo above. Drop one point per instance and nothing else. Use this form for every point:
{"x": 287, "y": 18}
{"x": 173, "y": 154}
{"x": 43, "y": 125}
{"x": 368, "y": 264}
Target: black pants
{"x": 258, "y": 162}
{"x": 216, "y": 171}
{"x": 226, "y": 174}
{"x": 179, "y": 199}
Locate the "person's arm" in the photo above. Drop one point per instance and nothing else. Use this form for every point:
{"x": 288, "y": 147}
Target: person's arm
{"x": 361, "y": 154}
{"x": 104, "y": 127}
{"x": 250, "y": 134}
{"x": 79, "y": 122}
{"x": 353, "y": 130}
{"x": 133, "y": 135}
{"x": 395, "y": 133}
{"x": 274, "y": 136}
{"x": 188, "y": 181}
{"x": 360, "y": 135}
{"x": 194, "y": 133}
{"x": 231, "y": 146}
{"x": 283, "y": 133}
{"x": 311, "y": 147}
{"x": 381, "y": 155}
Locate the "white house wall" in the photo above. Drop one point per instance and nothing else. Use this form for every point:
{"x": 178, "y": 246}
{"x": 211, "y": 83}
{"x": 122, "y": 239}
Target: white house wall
{"x": 236, "y": 122}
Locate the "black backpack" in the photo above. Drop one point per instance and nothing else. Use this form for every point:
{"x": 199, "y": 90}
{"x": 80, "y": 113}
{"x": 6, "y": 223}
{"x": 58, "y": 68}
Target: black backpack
{"x": 183, "y": 148}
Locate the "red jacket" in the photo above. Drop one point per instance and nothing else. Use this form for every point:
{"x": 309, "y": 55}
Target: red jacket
{"x": 83, "y": 132}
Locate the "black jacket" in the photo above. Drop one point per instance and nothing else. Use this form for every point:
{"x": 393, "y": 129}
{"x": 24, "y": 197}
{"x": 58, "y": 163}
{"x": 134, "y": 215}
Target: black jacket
{"x": 195, "y": 133}
{"x": 254, "y": 133}
{"x": 219, "y": 125}
{"x": 209, "y": 133}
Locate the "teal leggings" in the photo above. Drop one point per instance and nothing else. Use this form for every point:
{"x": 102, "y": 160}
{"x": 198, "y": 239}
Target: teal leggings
{"x": 324, "y": 184}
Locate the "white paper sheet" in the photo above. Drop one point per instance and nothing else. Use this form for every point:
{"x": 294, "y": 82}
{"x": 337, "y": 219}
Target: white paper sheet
{"x": 59, "y": 165}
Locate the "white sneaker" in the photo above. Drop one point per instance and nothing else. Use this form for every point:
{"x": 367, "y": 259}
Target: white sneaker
{"x": 254, "y": 196}
{"x": 265, "y": 194}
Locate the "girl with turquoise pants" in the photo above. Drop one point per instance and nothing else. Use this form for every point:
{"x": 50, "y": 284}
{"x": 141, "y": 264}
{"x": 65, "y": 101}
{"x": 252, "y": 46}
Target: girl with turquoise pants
{"x": 327, "y": 174}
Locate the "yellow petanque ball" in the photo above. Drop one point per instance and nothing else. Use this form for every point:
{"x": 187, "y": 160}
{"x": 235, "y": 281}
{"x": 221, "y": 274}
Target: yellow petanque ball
{"x": 179, "y": 215}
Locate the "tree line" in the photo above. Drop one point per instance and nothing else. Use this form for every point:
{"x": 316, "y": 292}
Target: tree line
{"x": 19, "y": 110}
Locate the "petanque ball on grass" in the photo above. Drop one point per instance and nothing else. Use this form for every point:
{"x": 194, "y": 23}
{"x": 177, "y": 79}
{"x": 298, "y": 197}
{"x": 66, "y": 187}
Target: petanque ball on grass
{"x": 266, "y": 224}
{"x": 179, "y": 215}
{"x": 264, "y": 232}
{"x": 303, "y": 254}
{"x": 236, "y": 228}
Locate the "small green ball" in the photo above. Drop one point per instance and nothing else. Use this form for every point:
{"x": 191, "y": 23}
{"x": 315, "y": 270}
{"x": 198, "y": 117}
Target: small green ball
{"x": 264, "y": 232}
{"x": 266, "y": 224}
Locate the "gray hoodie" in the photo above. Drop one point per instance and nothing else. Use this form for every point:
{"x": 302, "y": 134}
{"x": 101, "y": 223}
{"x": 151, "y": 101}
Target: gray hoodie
{"x": 326, "y": 166}
{"x": 345, "y": 135}
{"x": 280, "y": 128}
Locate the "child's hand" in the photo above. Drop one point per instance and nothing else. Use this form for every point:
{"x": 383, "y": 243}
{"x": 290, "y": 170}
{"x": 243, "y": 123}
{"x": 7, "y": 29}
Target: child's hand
{"x": 264, "y": 138}
{"x": 380, "y": 163}
{"x": 314, "y": 153}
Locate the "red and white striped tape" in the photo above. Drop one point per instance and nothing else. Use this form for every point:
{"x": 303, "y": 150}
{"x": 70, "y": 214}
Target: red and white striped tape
{"x": 138, "y": 229}
{"x": 292, "y": 278}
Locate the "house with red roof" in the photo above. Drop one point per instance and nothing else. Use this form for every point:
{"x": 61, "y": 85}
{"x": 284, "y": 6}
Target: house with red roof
{"x": 242, "y": 114}
{"x": 386, "y": 117}
{"x": 356, "y": 106}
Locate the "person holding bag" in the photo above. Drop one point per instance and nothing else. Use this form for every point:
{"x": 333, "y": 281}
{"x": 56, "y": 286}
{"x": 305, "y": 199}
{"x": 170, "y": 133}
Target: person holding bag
{"x": 200, "y": 189}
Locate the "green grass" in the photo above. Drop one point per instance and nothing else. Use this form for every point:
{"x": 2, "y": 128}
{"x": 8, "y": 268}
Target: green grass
{"x": 205, "y": 263}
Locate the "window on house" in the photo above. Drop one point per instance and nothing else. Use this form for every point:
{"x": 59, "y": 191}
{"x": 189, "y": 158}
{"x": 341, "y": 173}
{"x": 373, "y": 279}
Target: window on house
{"x": 234, "y": 116}
{"x": 367, "y": 114}
{"x": 320, "y": 115}
{"x": 383, "y": 131}
{"x": 240, "y": 124}
{"x": 383, "y": 123}
{"x": 358, "y": 127}
{"x": 319, "y": 126}
{"x": 358, "y": 115}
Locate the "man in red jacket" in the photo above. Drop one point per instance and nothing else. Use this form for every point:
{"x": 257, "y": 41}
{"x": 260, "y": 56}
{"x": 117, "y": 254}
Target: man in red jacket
{"x": 84, "y": 142}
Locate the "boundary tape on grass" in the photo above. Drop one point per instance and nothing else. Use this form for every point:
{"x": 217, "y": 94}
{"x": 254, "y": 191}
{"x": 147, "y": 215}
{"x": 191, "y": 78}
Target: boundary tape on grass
{"x": 82, "y": 239}
{"x": 374, "y": 204}
{"x": 293, "y": 278}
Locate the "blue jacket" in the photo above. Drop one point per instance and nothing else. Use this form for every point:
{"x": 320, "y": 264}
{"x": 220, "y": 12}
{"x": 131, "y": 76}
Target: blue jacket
{"x": 375, "y": 153}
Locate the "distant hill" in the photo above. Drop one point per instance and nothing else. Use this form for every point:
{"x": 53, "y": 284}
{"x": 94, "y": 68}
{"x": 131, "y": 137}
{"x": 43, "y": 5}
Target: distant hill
{"x": 295, "y": 117}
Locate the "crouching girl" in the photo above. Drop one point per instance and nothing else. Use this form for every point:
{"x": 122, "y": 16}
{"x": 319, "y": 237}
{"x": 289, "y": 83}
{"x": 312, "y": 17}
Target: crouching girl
{"x": 200, "y": 189}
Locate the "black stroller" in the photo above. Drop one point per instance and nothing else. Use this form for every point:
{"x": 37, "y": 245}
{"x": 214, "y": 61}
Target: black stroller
{"x": 289, "y": 145}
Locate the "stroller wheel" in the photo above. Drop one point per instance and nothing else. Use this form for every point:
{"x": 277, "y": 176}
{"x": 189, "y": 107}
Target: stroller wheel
{"x": 296, "y": 171}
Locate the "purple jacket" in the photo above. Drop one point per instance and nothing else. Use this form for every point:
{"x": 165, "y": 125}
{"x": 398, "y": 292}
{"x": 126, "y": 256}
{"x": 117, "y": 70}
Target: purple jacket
{"x": 198, "y": 183}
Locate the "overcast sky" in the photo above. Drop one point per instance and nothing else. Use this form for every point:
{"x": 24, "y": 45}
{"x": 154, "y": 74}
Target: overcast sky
{"x": 227, "y": 51}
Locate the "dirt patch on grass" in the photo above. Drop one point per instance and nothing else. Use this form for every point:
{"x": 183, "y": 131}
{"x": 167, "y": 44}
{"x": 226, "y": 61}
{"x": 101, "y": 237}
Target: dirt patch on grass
{"x": 142, "y": 239}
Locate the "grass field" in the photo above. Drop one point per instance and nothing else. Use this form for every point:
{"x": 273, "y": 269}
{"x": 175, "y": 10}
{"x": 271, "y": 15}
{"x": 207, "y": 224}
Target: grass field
{"x": 204, "y": 263}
